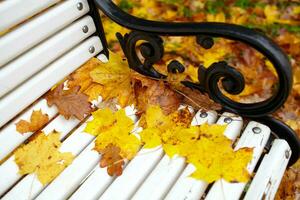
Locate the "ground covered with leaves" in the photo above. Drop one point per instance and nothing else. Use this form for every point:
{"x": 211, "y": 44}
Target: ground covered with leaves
{"x": 279, "y": 19}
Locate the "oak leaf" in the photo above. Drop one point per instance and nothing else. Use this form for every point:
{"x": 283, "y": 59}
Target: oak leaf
{"x": 112, "y": 160}
{"x": 37, "y": 121}
{"x": 69, "y": 102}
{"x": 42, "y": 156}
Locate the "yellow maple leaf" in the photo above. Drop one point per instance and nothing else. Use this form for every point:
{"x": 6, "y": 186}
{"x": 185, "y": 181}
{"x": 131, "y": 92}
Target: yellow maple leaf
{"x": 158, "y": 126}
{"x": 113, "y": 128}
{"x": 37, "y": 121}
{"x": 115, "y": 77}
{"x": 102, "y": 120}
{"x": 42, "y": 156}
{"x": 212, "y": 153}
{"x": 156, "y": 123}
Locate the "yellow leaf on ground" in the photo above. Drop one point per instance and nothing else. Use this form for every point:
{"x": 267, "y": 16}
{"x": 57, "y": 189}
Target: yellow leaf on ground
{"x": 41, "y": 156}
{"x": 37, "y": 121}
{"x": 271, "y": 12}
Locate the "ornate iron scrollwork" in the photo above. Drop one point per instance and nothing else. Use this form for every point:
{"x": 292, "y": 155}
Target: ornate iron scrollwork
{"x": 232, "y": 80}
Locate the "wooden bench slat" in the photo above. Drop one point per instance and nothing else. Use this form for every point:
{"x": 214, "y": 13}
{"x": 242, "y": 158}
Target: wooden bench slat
{"x": 10, "y": 138}
{"x": 32, "y": 89}
{"x": 159, "y": 182}
{"x": 190, "y": 188}
{"x": 46, "y": 52}
{"x": 9, "y": 169}
{"x": 21, "y": 11}
{"x": 69, "y": 180}
{"x": 139, "y": 168}
{"x": 270, "y": 172}
{"x": 39, "y": 28}
{"x": 225, "y": 190}
{"x": 75, "y": 143}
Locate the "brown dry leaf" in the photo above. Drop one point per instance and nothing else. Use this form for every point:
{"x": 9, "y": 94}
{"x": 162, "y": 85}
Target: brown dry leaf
{"x": 112, "y": 160}
{"x": 69, "y": 102}
{"x": 198, "y": 100}
{"x": 41, "y": 156}
{"x": 37, "y": 121}
{"x": 151, "y": 92}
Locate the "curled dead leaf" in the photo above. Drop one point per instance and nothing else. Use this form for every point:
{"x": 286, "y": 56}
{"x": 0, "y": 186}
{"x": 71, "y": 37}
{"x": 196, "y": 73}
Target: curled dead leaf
{"x": 69, "y": 102}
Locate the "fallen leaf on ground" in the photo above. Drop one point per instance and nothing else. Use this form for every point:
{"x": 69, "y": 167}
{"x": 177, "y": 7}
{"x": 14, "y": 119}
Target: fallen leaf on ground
{"x": 37, "y": 121}
{"x": 42, "y": 156}
{"x": 69, "y": 102}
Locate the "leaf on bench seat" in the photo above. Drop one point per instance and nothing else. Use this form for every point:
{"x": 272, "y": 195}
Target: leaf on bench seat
{"x": 115, "y": 138}
{"x": 69, "y": 102}
{"x": 115, "y": 77}
{"x": 112, "y": 160}
{"x": 42, "y": 156}
{"x": 37, "y": 121}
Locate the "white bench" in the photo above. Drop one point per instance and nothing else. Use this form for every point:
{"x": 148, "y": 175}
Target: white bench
{"x": 40, "y": 52}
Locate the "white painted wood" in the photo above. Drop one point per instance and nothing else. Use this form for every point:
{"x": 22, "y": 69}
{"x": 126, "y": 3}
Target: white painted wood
{"x": 225, "y": 190}
{"x": 9, "y": 169}
{"x": 190, "y": 188}
{"x": 39, "y": 28}
{"x": 94, "y": 185}
{"x": 133, "y": 175}
{"x": 28, "y": 92}
{"x": 201, "y": 119}
{"x": 38, "y": 57}
{"x": 168, "y": 169}
{"x": 12, "y": 12}
{"x": 29, "y": 187}
{"x": 75, "y": 144}
{"x": 270, "y": 172}
{"x": 161, "y": 178}
{"x": 63, "y": 185}
{"x": 10, "y": 138}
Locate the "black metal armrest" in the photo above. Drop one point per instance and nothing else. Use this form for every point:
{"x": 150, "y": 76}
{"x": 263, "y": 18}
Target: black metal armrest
{"x": 232, "y": 80}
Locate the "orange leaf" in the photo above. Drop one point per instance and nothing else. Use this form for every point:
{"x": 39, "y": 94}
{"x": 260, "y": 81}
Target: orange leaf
{"x": 69, "y": 102}
{"x": 198, "y": 100}
{"x": 112, "y": 160}
{"x": 37, "y": 121}
{"x": 152, "y": 92}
